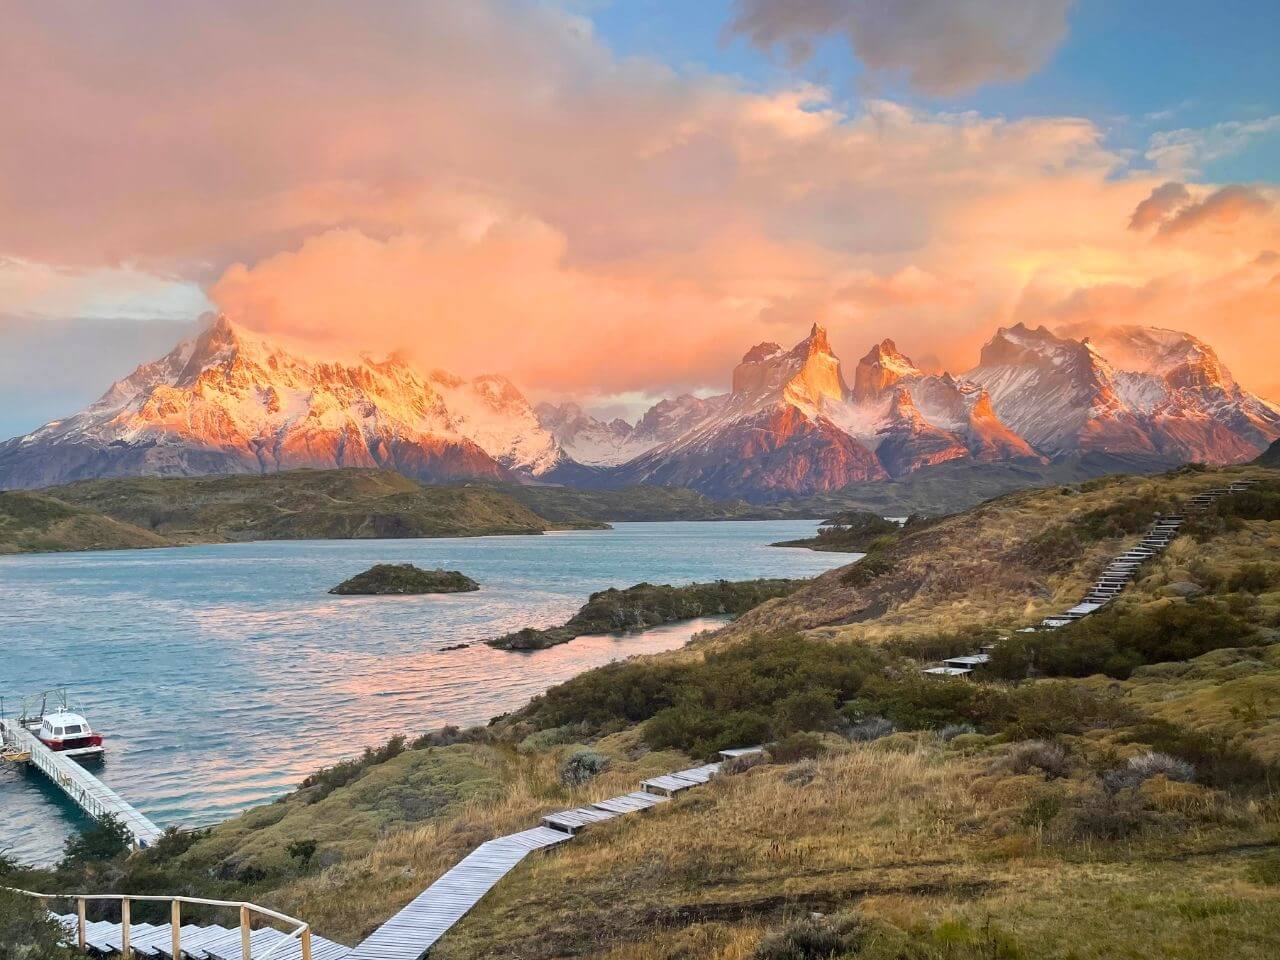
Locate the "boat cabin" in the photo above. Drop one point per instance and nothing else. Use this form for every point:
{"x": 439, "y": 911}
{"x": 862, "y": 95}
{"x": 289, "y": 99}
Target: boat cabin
{"x": 68, "y": 733}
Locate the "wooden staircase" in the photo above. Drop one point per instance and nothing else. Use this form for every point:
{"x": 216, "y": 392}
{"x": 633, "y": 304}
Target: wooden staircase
{"x": 176, "y": 940}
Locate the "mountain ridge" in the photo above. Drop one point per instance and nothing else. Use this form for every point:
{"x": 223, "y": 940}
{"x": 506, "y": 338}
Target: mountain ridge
{"x": 233, "y": 402}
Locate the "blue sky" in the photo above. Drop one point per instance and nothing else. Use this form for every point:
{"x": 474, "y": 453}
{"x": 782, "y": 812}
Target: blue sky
{"x": 1134, "y": 67}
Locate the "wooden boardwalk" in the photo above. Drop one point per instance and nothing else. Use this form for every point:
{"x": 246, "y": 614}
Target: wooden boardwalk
{"x": 87, "y": 791}
{"x": 412, "y": 932}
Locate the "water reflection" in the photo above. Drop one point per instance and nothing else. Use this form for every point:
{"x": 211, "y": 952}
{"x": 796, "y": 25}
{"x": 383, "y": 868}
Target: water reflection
{"x": 224, "y": 674}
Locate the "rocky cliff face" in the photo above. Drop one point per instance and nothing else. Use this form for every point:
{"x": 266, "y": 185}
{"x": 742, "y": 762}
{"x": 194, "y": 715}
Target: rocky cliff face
{"x": 1129, "y": 390}
{"x": 229, "y": 402}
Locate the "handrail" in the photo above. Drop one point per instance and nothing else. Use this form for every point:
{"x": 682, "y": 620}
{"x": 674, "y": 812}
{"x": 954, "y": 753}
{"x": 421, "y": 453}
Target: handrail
{"x": 301, "y": 931}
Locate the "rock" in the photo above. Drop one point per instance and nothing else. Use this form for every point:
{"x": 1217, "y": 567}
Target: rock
{"x": 1181, "y": 588}
{"x": 404, "y": 579}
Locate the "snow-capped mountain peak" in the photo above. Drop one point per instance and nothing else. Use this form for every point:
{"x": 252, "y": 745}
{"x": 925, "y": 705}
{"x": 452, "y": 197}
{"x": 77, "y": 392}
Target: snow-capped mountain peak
{"x": 233, "y": 401}
{"x": 883, "y": 367}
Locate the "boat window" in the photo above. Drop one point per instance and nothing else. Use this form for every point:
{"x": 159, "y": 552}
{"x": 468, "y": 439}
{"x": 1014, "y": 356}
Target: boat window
{"x": 57, "y": 732}
{"x": 74, "y": 728}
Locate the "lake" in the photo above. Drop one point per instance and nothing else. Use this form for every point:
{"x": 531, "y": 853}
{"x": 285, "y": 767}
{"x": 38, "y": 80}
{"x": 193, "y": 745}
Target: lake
{"x": 222, "y": 675}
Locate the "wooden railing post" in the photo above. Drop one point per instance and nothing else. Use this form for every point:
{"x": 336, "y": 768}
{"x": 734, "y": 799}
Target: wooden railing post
{"x": 175, "y": 921}
{"x": 80, "y": 924}
{"x": 125, "y": 950}
{"x": 244, "y": 933}
{"x": 306, "y": 943}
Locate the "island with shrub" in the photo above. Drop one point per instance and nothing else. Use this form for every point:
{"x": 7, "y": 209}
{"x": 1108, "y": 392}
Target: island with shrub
{"x": 404, "y": 579}
{"x": 648, "y": 605}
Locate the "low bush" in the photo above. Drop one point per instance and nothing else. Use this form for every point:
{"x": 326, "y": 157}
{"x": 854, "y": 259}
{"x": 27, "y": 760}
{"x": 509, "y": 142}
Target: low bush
{"x": 1118, "y": 640}
{"x": 1254, "y": 578}
{"x": 582, "y": 766}
{"x": 798, "y": 746}
{"x": 871, "y": 567}
{"x": 1047, "y": 758}
{"x": 811, "y": 939}
{"x": 736, "y": 697}
{"x": 869, "y": 728}
{"x": 106, "y": 838}
{"x": 1106, "y": 816}
{"x": 28, "y": 932}
{"x": 324, "y": 782}
{"x": 806, "y": 710}
{"x": 1217, "y": 761}
{"x": 915, "y": 702}
{"x": 952, "y": 730}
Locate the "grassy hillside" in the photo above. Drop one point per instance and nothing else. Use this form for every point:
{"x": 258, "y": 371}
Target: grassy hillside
{"x": 302, "y": 504}
{"x": 951, "y": 487}
{"x": 1006, "y": 563}
{"x": 1270, "y": 457}
{"x": 1032, "y": 813}
{"x": 33, "y": 522}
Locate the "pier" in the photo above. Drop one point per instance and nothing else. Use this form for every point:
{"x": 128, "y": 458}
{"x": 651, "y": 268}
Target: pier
{"x": 88, "y": 792}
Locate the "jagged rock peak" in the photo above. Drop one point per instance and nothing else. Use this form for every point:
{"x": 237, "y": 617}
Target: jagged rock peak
{"x": 883, "y": 367}
{"x": 762, "y": 351}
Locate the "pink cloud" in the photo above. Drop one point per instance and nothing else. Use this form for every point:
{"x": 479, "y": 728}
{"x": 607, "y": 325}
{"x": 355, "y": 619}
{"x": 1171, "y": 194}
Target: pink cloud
{"x": 487, "y": 185}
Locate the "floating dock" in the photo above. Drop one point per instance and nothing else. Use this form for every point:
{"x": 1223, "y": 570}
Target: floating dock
{"x": 88, "y": 792}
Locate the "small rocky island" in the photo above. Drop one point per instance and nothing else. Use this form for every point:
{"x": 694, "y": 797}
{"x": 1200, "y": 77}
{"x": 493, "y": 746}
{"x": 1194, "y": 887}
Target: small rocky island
{"x": 404, "y": 579}
{"x": 647, "y": 605}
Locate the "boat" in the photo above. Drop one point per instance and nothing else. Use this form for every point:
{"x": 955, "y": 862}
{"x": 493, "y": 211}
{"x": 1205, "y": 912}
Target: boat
{"x": 60, "y": 728}
{"x": 69, "y": 733}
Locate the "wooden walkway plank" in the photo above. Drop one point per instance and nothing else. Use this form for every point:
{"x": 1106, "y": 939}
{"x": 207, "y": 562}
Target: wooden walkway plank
{"x": 411, "y": 933}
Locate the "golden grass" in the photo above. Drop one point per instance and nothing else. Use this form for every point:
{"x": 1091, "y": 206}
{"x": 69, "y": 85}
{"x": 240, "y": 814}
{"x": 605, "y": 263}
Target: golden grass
{"x": 909, "y": 840}
{"x": 973, "y": 569}
{"x": 348, "y": 900}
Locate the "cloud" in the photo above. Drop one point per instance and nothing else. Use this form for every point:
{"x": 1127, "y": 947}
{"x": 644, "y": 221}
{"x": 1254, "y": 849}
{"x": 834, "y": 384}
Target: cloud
{"x": 1223, "y": 209}
{"x": 942, "y": 47}
{"x": 487, "y": 185}
{"x": 1173, "y": 210}
{"x": 1187, "y": 151}
{"x": 1163, "y": 201}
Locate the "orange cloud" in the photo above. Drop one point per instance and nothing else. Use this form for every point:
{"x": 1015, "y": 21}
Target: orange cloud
{"x": 487, "y": 185}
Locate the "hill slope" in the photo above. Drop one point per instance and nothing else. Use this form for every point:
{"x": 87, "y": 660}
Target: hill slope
{"x": 33, "y": 522}
{"x": 302, "y": 504}
{"x": 1270, "y": 457}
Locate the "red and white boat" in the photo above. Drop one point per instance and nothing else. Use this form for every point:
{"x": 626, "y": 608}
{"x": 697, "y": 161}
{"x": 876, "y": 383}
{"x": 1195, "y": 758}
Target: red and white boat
{"x": 50, "y": 719}
{"x": 68, "y": 733}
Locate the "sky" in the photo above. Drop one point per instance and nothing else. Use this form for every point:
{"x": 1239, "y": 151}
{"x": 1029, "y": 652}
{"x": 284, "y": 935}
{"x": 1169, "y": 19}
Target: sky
{"x": 612, "y": 201}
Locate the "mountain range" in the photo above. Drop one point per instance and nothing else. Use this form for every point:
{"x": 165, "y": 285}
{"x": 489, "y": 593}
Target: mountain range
{"x": 230, "y": 401}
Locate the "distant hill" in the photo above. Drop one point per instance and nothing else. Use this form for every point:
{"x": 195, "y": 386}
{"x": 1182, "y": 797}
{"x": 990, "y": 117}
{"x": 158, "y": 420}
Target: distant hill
{"x": 35, "y": 523}
{"x": 1270, "y": 457}
{"x": 131, "y": 512}
{"x": 570, "y": 505}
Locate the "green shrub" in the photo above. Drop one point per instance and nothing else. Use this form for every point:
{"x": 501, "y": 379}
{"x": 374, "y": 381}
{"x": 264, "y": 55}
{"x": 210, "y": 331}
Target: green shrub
{"x": 28, "y": 931}
{"x": 105, "y": 839}
{"x": 1119, "y": 639}
{"x": 871, "y": 567}
{"x": 323, "y": 782}
{"x": 916, "y": 702}
{"x": 1254, "y": 578}
{"x": 798, "y": 746}
{"x": 1266, "y": 869}
{"x": 811, "y": 939}
{"x": 806, "y": 710}
{"x": 729, "y": 699}
{"x": 582, "y": 766}
{"x": 1218, "y": 762}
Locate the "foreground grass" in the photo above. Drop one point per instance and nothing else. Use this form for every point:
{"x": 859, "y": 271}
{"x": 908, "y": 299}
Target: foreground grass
{"x": 914, "y": 838}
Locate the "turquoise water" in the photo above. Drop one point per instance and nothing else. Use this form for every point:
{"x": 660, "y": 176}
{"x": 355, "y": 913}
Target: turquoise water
{"x": 222, "y": 675}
